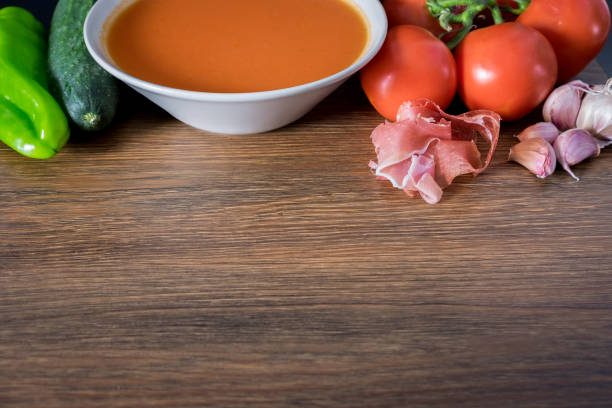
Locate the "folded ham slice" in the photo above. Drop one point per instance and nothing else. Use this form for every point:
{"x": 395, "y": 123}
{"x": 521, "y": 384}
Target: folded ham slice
{"x": 425, "y": 149}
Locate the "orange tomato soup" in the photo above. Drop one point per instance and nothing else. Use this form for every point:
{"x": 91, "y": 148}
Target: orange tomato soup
{"x": 235, "y": 45}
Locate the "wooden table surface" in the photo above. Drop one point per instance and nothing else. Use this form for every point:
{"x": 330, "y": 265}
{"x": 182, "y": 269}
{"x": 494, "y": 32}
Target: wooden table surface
{"x": 155, "y": 265}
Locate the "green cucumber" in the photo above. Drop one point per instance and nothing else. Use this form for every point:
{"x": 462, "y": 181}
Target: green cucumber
{"x": 88, "y": 94}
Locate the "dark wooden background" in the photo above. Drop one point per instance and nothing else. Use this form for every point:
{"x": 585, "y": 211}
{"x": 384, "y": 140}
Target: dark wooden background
{"x": 155, "y": 265}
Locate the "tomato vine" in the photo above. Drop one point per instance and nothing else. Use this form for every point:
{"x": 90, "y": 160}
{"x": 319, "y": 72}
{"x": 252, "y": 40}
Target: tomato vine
{"x": 463, "y": 13}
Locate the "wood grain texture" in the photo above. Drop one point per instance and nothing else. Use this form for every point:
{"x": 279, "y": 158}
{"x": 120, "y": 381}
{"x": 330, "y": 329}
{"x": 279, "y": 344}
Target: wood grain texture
{"x": 155, "y": 265}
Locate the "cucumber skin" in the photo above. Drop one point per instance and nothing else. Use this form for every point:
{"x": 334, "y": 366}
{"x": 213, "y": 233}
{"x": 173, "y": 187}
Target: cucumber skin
{"x": 88, "y": 94}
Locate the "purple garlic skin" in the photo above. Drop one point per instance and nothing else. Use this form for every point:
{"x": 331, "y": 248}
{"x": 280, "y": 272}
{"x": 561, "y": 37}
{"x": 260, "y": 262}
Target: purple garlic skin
{"x": 543, "y": 130}
{"x": 536, "y": 154}
{"x": 574, "y": 146}
{"x": 596, "y": 112}
{"x": 563, "y": 104}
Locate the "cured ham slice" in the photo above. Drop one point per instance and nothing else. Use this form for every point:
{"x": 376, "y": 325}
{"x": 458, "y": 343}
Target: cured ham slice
{"x": 425, "y": 149}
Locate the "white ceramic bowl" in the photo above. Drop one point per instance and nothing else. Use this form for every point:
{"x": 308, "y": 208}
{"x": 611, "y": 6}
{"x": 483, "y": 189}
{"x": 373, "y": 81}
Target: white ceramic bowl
{"x": 236, "y": 113}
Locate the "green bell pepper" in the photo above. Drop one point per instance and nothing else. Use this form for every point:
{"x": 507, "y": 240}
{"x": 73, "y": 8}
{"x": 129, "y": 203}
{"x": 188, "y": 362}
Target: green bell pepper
{"x": 31, "y": 121}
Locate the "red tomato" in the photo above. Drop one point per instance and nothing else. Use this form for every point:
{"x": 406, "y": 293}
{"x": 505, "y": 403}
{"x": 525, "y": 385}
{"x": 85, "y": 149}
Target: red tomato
{"x": 411, "y": 64}
{"x": 411, "y": 12}
{"x": 508, "y": 68}
{"x": 577, "y": 30}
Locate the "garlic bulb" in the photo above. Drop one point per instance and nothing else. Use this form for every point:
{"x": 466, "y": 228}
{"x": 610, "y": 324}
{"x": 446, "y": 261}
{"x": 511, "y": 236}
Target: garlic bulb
{"x": 544, "y": 130}
{"x": 562, "y": 105}
{"x": 595, "y": 113}
{"x": 574, "y": 146}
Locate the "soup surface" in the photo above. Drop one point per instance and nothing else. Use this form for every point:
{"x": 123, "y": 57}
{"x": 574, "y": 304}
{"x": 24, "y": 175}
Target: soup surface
{"x": 235, "y": 45}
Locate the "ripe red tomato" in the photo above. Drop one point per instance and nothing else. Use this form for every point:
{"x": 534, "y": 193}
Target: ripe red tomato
{"x": 411, "y": 64}
{"x": 508, "y": 68}
{"x": 577, "y": 30}
{"x": 411, "y": 12}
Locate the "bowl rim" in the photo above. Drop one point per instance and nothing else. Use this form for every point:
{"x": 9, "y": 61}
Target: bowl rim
{"x": 372, "y": 48}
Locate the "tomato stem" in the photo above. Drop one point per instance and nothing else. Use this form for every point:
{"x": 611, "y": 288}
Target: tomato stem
{"x": 463, "y": 13}
{"x": 521, "y": 5}
{"x": 497, "y": 15}
{"x": 460, "y": 35}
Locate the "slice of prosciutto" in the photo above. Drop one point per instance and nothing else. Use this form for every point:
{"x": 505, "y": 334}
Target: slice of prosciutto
{"x": 425, "y": 149}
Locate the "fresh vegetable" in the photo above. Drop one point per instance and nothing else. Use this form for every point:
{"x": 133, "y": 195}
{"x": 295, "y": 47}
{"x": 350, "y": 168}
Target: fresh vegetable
{"x": 508, "y": 68}
{"x": 411, "y": 64}
{"x": 577, "y": 30}
{"x": 580, "y": 105}
{"x": 425, "y": 149}
{"x": 542, "y": 130}
{"x": 542, "y": 147}
{"x": 454, "y": 15}
{"x": 88, "y": 94}
{"x": 595, "y": 114}
{"x": 584, "y": 112}
{"x": 502, "y": 65}
{"x": 18, "y": 25}
{"x": 536, "y": 155}
{"x": 31, "y": 121}
{"x": 573, "y": 146}
{"x": 562, "y": 105}
{"x": 459, "y": 17}
{"x": 411, "y": 12}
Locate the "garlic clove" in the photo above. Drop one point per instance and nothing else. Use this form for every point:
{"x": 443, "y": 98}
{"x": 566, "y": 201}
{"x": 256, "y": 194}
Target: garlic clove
{"x": 574, "y": 146}
{"x": 543, "y": 130}
{"x": 536, "y": 154}
{"x": 563, "y": 104}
